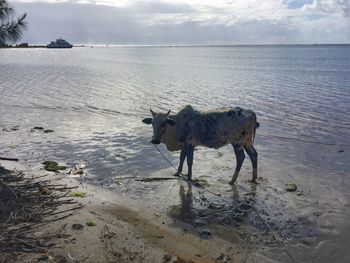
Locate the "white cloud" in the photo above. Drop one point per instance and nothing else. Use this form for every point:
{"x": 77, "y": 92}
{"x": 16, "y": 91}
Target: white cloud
{"x": 329, "y": 6}
{"x": 188, "y": 22}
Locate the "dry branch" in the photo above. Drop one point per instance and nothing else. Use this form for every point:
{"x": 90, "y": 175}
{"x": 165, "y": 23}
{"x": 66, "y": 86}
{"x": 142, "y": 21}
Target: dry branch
{"x": 27, "y": 204}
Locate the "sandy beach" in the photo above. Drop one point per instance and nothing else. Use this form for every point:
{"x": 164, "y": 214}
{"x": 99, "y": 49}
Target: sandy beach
{"x": 126, "y": 229}
{"x": 123, "y": 231}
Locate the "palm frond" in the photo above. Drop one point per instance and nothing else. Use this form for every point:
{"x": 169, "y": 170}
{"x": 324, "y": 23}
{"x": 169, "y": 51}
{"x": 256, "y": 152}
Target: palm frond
{"x": 15, "y": 28}
{"x": 6, "y": 11}
{"x": 11, "y": 28}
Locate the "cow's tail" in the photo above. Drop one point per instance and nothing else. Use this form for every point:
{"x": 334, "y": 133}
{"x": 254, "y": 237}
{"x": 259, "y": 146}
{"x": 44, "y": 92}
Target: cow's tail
{"x": 256, "y": 125}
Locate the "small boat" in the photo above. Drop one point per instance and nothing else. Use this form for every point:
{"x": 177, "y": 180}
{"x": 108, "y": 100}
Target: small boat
{"x": 59, "y": 43}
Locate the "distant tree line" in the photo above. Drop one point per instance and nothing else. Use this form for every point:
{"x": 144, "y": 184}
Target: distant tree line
{"x": 11, "y": 27}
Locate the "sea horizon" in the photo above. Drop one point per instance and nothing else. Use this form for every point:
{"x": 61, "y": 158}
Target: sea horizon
{"x": 189, "y": 45}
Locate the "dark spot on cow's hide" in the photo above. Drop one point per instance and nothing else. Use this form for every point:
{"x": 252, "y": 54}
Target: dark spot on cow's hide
{"x": 231, "y": 113}
{"x": 210, "y": 123}
{"x": 239, "y": 111}
{"x": 207, "y": 130}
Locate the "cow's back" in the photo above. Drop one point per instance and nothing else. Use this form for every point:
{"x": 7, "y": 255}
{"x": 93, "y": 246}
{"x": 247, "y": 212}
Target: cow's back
{"x": 213, "y": 129}
{"x": 219, "y": 127}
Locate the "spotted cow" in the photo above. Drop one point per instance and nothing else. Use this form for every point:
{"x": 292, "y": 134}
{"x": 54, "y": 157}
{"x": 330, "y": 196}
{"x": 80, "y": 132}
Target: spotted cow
{"x": 215, "y": 128}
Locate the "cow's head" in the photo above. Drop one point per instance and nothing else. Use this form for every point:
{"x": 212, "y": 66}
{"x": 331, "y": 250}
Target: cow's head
{"x": 159, "y": 123}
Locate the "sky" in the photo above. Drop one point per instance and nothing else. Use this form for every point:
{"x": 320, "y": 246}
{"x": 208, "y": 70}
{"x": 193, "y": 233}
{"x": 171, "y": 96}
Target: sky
{"x": 181, "y": 22}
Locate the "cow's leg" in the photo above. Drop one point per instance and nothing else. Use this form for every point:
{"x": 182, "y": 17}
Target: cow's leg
{"x": 239, "y": 160}
{"x": 190, "y": 150}
{"x": 183, "y": 155}
{"x": 253, "y": 155}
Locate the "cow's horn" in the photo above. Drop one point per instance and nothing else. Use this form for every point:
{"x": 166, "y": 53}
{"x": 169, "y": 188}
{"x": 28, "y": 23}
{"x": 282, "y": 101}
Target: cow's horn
{"x": 151, "y": 111}
{"x": 168, "y": 112}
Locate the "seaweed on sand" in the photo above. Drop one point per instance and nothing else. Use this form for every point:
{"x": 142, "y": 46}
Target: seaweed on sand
{"x": 26, "y": 204}
{"x": 90, "y": 223}
{"x": 77, "y": 194}
{"x": 52, "y": 166}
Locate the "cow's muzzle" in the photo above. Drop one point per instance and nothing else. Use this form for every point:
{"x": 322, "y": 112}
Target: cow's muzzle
{"x": 155, "y": 141}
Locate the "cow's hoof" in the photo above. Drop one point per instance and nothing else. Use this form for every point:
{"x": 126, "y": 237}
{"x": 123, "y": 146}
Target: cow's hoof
{"x": 188, "y": 179}
{"x": 177, "y": 174}
{"x": 231, "y": 182}
{"x": 253, "y": 181}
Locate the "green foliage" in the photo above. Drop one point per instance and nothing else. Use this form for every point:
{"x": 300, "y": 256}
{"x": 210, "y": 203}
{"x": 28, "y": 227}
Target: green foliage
{"x": 11, "y": 27}
{"x": 53, "y": 166}
{"x": 77, "y": 194}
{"x": 291, "y": 187}
{"x": 90, "y": 223}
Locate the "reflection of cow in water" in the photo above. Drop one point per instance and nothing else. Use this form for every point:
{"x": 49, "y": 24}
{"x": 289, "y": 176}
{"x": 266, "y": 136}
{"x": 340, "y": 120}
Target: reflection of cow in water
{"x": 214, "y": 129}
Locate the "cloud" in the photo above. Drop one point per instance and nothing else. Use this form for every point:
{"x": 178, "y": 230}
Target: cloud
{"x": 329, "y": 6}
{"x": 181, "y": 22}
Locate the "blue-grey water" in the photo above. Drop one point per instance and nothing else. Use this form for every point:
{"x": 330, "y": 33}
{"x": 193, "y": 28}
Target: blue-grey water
{"x": 94, "y": 100}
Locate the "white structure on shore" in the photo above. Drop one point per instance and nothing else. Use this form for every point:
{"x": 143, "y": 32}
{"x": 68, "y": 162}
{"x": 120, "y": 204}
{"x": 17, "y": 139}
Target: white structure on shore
{"x": 59, "y": 43}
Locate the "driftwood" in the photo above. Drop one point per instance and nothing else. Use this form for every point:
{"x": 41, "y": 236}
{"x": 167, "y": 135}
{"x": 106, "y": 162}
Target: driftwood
{"x": 25, "y": 205}
{"x": 145, "y": 179}
{"x": 9, "y": 159}
{"x": 155, "y": 179}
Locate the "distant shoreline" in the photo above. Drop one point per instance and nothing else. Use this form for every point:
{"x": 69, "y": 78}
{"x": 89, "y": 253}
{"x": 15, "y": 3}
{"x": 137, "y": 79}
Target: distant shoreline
{"x": 37, "y": 46}
{"x": 34, "y": 46}
{"x": 228, "y": 45}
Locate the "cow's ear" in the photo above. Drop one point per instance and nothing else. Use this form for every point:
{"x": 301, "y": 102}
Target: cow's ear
{"x": 147, "y": 120}
{"x": 171, "y": 122}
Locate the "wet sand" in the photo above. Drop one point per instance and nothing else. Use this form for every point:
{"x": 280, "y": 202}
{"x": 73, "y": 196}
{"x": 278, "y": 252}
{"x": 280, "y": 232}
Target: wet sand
{"x": 243, "y": 223}
{"x": 125, "y": 231}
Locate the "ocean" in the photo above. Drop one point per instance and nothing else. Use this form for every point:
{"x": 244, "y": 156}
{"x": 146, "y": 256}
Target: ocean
{"x": 94, "y": 99}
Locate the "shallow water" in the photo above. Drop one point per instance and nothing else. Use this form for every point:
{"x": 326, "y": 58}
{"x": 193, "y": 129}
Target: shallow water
{"x": 95, "y": 98}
